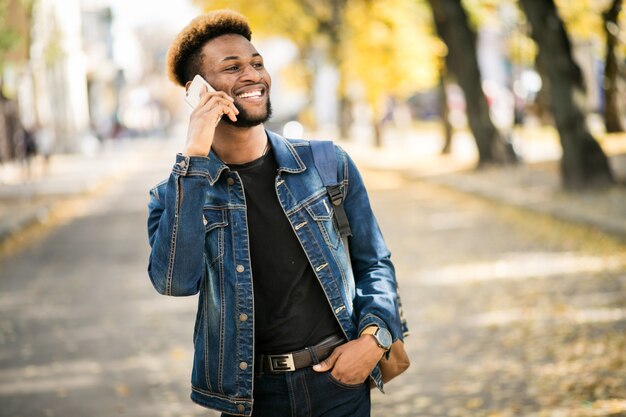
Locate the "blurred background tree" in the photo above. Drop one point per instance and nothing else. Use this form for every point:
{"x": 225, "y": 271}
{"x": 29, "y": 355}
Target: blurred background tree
{"x": 388, "y": 54}
{"x": 596, "y": 23}
{"x": 612, "y": 68}
{"x": 453, "y": 28}
{"x": 583, "y": 164}
{"x": 370, "y": 71}
{"x": 14, "y": 53}
{"x": 14, "y": 31}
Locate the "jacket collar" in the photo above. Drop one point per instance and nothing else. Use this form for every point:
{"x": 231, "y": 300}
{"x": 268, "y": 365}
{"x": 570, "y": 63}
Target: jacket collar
{"x": 286, "y": 156}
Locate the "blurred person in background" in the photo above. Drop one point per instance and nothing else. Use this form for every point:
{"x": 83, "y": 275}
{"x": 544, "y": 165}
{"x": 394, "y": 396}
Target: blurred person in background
{"x": 305, "y": 336}
{"x": 25, "y": 147}
{"x": 44, "y": 136}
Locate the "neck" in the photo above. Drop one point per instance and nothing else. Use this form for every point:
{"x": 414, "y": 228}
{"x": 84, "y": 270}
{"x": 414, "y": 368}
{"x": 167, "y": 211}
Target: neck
{"x": 235, "y": 145}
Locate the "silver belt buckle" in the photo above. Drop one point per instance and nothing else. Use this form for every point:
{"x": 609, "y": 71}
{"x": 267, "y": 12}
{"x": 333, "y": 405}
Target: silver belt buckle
{"x": 281, "y": 363}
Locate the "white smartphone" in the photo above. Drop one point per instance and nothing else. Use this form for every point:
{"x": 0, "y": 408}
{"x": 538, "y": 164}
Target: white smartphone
{"x": 192, "y": 96}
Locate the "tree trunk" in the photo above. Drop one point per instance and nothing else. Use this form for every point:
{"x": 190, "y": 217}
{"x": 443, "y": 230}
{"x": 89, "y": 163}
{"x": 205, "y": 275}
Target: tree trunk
{"x": 444, "y": 113}
{"x": 612, "y": 119}
{"x": 345, "y": 115}
{"x": 377, "y": 125}
{"x": 583, "y": 164}
{"x": 453, "y": 28}
{"x": 541, "y": 104}
{"x": 5, "y": 143}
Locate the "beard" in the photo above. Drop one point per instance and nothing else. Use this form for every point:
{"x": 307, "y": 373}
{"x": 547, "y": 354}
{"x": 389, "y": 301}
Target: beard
{"x": 245, "y": 119}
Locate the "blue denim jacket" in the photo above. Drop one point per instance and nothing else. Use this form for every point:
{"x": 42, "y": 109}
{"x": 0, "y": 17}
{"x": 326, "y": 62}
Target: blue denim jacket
{"x": 199, "y": 238}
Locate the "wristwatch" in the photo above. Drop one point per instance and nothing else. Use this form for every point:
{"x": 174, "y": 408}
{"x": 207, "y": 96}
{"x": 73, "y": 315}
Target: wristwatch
{"x": 382, "y": 336}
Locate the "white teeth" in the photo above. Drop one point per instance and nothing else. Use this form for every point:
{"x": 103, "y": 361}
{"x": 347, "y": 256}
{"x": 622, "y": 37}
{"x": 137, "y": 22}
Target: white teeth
{"x": 256, "y": 93}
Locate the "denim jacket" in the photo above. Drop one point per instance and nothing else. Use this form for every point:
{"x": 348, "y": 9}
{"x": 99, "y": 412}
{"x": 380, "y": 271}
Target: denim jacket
{"x": 198, "y": 235}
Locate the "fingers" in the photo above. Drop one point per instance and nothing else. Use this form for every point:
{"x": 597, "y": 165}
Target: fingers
{"x": 231, "y": 112}
{"x": 205, "y": 96}
{"x": 328, "y": 363}
{"x": 217, "y": 103}
{"x": 350, "y": 363}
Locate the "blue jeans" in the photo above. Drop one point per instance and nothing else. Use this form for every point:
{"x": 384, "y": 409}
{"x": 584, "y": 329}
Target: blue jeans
{"x": 308, "y": 393}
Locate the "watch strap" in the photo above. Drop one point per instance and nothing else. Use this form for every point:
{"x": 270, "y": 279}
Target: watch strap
{"x": 369, "y": 330}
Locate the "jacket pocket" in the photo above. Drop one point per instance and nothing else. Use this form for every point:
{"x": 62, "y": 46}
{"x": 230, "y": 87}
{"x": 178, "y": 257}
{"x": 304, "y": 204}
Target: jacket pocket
{"x": 321, "y": 210}
{"x": 215, "y": 222}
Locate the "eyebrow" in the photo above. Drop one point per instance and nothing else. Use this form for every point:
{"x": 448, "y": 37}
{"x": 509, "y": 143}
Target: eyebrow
{"x": 235, "y": 57}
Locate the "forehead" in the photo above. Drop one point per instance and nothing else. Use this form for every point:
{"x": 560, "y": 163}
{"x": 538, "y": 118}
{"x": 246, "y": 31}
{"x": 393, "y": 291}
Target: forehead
{"x": 227, "y": 46}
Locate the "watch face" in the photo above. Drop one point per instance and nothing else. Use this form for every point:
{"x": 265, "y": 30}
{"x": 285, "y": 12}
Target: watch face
{"x": 384, "y": 338}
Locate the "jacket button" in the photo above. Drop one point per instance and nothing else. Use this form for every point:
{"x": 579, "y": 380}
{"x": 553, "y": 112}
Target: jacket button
{"x": 240, "y": 268}
{"x": 241, "y": 408}
{"x": 243, "y": 366}
{"x": 230, "y": 181}
{"x": 243, "y": 317}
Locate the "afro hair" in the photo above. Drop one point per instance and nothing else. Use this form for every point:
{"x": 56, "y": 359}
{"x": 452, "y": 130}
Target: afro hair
{"x": 185, "y": 47}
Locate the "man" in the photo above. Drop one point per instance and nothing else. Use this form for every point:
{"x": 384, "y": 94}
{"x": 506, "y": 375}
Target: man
{"x": 284, "y": 327}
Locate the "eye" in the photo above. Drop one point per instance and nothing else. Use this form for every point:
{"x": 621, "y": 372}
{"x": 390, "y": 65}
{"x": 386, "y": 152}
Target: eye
{"x": 258, "y": 65}
{"x": 232, "y": 68}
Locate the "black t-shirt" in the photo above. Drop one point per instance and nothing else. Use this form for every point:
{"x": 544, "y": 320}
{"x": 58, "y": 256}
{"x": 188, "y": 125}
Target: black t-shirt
{"x": 291, "y": 310}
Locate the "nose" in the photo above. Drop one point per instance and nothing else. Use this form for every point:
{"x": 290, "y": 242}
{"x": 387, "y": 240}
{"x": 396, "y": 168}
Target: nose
{"x": 253, "y": 74}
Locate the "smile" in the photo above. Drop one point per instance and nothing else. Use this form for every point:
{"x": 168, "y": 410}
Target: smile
{"x": 250, "y": 94}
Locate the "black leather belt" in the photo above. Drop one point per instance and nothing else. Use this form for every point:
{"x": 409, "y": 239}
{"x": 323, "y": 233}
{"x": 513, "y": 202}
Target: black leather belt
{"x": 288, "y": 362}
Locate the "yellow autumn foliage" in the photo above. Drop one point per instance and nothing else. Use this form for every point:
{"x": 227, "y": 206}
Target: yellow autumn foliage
{"x": 390, "y": 50}
{"x": 271, "y": 17}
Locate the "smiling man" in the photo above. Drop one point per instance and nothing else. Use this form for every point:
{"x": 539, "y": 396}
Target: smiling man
{"x": 287, "y": 324}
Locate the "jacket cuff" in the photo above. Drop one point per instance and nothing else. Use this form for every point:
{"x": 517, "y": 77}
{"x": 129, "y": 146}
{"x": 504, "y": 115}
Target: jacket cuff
{"x": 371, "y": 320}
{"x": 191, "y": 165}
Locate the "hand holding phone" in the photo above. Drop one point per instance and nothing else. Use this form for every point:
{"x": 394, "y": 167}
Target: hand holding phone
{"x": 192, "y": 97}
{"x": 208, "y": 111}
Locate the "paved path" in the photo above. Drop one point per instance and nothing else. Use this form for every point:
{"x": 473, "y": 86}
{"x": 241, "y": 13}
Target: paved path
{"x": 82, "y": 332}
{"x": 509, "y": 316}
{"x": 512, "y": 314}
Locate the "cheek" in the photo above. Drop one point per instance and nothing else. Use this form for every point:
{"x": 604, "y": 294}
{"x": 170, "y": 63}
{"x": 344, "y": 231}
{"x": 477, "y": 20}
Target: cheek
{"x": 268, "y": 78}
{"x": 221, "y": 86}
{"x": 220, "y": 83}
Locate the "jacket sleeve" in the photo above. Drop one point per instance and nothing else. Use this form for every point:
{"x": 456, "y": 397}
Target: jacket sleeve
{"x": 374, "y": 274}
{"x": 176, "y": 230}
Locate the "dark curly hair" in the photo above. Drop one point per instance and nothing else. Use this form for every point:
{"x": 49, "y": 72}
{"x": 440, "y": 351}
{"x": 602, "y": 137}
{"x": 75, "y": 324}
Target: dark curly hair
{"x": 184, "y": 57}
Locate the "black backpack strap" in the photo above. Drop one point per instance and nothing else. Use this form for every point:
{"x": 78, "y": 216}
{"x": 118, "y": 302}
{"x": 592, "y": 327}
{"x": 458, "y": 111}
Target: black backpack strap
{"x": 325, "y": 161}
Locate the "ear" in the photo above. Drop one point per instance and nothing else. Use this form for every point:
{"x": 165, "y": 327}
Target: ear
{"x": 187, "y": 84}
